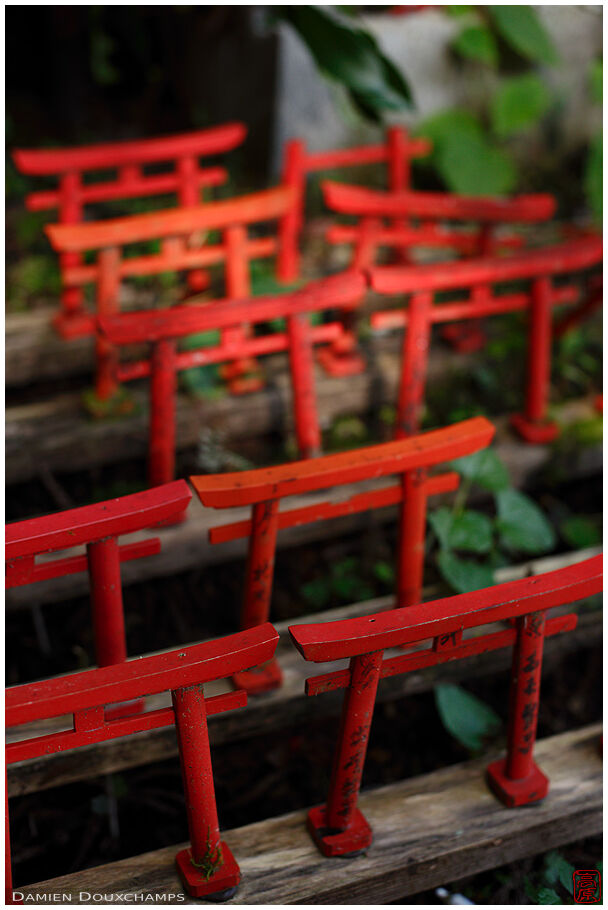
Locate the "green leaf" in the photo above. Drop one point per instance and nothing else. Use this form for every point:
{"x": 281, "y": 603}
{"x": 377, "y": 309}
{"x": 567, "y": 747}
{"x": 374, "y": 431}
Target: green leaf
{"x": 594, "y": 175}
{"x": 463, "y": 574}
{"x": 467, "y": 530}
{"x": 518, "y": 103}
{"x": 522, "y": 30}
{"x": 580, "y": 531}
{"x": 466, "y": 717}
{"x": 458, "y": 10}
{"x": 440, "y": 126}
{"x": 548, "y": 896}
{"x": 473, "y": 166}
{"x": 522, "y": 525}
{"x": 316, "y": 592}
{"x": 483, "y": 468}
{"x": 385, "y": 572}
{"x": 557, "y": 869}
{"x": 351, "y": 56}
{"x": 596, "y": 80}
{"x": 477, "y": 43}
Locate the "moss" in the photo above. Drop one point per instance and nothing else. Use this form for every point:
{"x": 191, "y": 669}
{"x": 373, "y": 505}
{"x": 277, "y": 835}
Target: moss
{"x": 211, "y": 861}
{"x": 121, "y": 404}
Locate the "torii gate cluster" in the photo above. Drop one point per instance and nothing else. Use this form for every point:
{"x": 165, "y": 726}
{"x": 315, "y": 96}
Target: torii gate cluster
{"x": 491, "y": 272}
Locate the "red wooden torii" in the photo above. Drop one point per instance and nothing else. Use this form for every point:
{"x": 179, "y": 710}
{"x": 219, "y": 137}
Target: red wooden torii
{"x": 171, "y": 227}
{"x": 404, "y": 220}
{"x": 98, "y": 527}
{"x": 207, "y": 868}
{"x": 338, "y": 827}
{"x": 264, "y": 488}
{"x": 420, "y": 283}
{"x": 162, "y": 329}
{"x": 128, "y": 159}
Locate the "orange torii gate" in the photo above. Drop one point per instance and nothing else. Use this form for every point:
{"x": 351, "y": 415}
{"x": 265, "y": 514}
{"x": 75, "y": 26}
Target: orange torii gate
{"x": 207, "y": 868}
{"x": 264, "y": 488}
{"x": 538, "y": 268}
{"x": 172, "y": 227}
{"x": 128, "y": 160}
{"x": 338, "y": 827}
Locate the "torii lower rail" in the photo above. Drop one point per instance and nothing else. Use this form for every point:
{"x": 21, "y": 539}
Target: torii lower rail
{"x": 207, "y": 867}
{"x": 162, "y": 328}
{"x": 338, "y": 827}
{"x": 263, "y": 489}
{"x": 128, "y": 160}
{"x": 98, "y": 527}
{"x": 538, "y": 268}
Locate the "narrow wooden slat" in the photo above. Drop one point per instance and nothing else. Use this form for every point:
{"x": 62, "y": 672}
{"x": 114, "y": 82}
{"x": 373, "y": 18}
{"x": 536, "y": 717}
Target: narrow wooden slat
{"x": 428, "y": 830}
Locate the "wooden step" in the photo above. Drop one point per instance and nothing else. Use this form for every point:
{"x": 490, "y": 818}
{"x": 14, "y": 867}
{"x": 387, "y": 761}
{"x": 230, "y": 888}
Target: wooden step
{"x": 428, "y": 831}
{"x": 287, "y": 705}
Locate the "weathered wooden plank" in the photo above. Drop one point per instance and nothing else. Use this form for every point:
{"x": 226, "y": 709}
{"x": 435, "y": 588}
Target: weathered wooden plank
{"x": 282, "y": 707}
{"x": 428, "y": 830}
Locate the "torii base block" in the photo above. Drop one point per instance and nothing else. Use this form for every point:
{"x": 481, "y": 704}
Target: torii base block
{"x": 353, "y": 840}
{"x": 536, "y": 433}
{"x": 220, "y": 886}
{"x": 512, "y": 793}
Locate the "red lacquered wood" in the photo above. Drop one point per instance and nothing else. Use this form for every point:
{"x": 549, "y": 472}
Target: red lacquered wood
{"x": 306, "y": 417}
{"x": 163, "y": 389}
{"x": 70, "y": 213}
{"x": 431, "y": 657}
{"x": 426, "y": 450}
{"x": 564, "y": 257}
{"x": 294, "y": 176}
{"x": 407, "y": 625}
{"x": 263, "y": 206}
{"x": 355, "y": 200}
{"x": 85, "y": 695}
{"x": 324, "y": 511}
{"x": 139, "y": 677}
{"x": 133, "y": 151}
{"x": 517, "y": 780}
{"x": 413, "y": 365}
{"x": 133, "y": 188}
{"x": 106, "y": 602}
{"x": 412, "y": 527}
{"x": 24, "y": 572}
{"x": 106, "y": 383}
{"x": 111, "y": 518}
{"x": 344, "y": 290}
{"x": 260, "y": 563}
{"x": 338, "y": 827}
{"x": 197, "y": 773}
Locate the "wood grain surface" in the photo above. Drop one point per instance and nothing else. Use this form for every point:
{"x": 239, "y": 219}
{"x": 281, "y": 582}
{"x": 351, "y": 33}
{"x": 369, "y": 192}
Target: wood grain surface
{"x": 428, "y": 831}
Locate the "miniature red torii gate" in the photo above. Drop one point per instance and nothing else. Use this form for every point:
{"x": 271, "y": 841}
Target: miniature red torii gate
{"x": 161, "y": 328}
{"x": 477, "y": 276}
{"x": 172, "y": 226}
{"x": 338, "y": 827}
{"x": 208, "y": 867}
{"x": 264, "y": 488}
{"x": 128, "y": 159}
{"x": 98, "y": 527}
{"x": 402, "y": 209}
{"x": 396, "y": 152}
